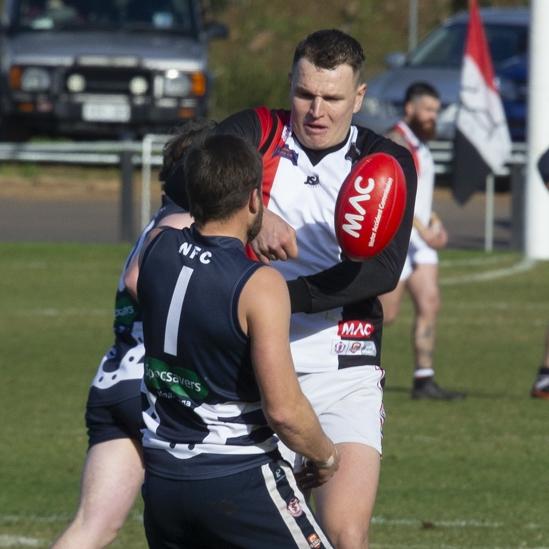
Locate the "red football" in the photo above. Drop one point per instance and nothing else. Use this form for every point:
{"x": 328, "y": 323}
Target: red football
{"x": 370, "y": 206}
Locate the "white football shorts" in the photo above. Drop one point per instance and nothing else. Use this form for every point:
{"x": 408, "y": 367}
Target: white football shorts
{"x": 419, "y": 253}
{"x": 349, "y": 406}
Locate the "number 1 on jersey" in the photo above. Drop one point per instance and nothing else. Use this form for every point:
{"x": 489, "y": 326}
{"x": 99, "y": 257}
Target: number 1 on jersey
{"x": 174, "y": 312}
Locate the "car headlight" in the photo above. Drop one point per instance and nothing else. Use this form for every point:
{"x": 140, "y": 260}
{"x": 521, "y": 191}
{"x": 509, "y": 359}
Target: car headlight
{"x": 35, "y": 79}
{"x": 139, "y": 85}
{"x": 176, "y": 84}
{"x": 76, "y": 83}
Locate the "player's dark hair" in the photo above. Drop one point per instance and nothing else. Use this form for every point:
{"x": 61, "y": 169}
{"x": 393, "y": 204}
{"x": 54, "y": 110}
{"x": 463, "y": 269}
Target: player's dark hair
{"x": 220, "y": 174}
{"x": 330, "y": 48}
{"x": 419, "y": 89}
{"x": 171, "y": 173}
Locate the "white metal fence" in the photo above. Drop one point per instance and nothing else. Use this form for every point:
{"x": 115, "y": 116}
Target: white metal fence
{"x": 147, "y": 154}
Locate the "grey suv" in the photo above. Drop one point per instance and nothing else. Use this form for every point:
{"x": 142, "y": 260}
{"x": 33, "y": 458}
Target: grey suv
{"x": 102, "y": 67}
{"x": 438, "y": 60}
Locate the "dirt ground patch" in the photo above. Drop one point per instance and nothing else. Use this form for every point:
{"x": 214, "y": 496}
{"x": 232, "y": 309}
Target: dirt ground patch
{"x": 66, "y": 183}
{"x": 60, "y": 203}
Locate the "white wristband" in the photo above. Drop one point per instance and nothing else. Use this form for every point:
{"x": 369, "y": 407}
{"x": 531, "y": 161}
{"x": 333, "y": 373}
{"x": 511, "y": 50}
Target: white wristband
{"x": 327, "y": 464}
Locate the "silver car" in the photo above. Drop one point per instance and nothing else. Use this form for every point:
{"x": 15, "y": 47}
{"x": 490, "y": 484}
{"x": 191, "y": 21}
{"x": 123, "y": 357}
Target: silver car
{"x": 438, "y": 60}
{"x": 102, "y": 68}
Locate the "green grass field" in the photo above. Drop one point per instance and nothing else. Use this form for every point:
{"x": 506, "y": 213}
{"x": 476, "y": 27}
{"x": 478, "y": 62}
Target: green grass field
{"x": 462, "y": 474}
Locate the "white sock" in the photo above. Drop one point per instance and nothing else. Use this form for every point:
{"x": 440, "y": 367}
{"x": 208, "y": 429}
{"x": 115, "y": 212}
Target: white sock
{"x": 420, "y": 373}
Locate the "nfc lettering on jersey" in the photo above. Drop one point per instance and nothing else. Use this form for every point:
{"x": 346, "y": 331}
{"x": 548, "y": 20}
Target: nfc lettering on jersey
{"x": 192, "y": 251}
{"x": 354, "y": 329}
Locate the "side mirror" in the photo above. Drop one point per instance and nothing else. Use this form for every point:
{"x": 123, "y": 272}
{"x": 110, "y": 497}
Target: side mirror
{"x": 215, "y": 30}
{"x": 395, "y": 59}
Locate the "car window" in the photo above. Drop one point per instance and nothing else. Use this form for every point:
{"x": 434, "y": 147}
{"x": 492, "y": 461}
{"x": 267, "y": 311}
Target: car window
{"x": 95, "y": 14}
{"x": 444, "y": 47}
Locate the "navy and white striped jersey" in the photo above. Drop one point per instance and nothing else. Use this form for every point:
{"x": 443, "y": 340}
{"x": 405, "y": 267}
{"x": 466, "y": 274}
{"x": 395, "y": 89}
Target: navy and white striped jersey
{"x": 119, "y": 374}
{"x": 202, "y": 407}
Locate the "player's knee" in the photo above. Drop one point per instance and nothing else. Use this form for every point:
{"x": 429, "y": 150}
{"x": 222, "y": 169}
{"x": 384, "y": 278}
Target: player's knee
{"x": 390, "y": 314}
{"x": 350, "y": 536}
{"x": 429, "y": 305}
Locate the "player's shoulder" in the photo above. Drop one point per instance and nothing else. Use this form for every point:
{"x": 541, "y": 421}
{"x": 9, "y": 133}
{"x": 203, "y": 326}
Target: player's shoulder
{"x": 252, "y": 124}
{"x": 160, "y": 240}
{"x": 265, "y": 290}
{"x": 267, "y": 284}
{"x": 397, "y": 137}
{"x": 176, "y": 220}
{"x": 266, "y": 278}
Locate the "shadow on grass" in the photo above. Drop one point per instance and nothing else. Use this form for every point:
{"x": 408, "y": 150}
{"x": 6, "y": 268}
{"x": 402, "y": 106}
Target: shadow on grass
{"x": 470, "y": 394}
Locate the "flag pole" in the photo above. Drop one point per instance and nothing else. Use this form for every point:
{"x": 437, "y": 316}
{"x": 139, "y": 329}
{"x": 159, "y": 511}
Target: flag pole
{"x": 536, "y": 217}
{"x": 489, "y": 213}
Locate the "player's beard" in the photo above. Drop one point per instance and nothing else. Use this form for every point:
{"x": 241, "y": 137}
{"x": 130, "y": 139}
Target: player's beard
{"x": 425, "y": 131}
{"x": 255, "y": 227}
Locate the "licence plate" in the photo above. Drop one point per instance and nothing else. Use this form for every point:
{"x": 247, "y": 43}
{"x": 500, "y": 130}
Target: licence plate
{"x": 105, "y": 112}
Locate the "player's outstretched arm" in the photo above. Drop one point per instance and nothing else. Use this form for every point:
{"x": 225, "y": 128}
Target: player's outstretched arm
{"x": 264, "y": 312}
{"x": 352, "y": 281}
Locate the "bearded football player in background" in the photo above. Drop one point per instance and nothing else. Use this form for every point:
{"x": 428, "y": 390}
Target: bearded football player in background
{"x": 420, "y": 273}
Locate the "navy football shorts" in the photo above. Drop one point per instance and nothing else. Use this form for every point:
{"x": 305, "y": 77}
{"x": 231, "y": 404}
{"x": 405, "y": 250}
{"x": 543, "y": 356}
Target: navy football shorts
{"x": 258, "y": 508}
{"x": 109, "y": 422}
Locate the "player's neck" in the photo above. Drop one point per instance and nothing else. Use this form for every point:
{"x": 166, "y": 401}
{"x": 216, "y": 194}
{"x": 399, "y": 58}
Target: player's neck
{"x": 232, "y": 227}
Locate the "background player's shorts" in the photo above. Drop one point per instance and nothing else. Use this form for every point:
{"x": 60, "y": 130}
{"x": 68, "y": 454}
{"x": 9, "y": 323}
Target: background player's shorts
{"x": 419, "y": 253}
{"x": 349, "y": 406}
{"x": 260, "y": 508}
{"x": 120, "y": 420}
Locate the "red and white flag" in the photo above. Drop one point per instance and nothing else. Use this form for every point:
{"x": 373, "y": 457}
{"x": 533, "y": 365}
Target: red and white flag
{"x": 482, "y": 143}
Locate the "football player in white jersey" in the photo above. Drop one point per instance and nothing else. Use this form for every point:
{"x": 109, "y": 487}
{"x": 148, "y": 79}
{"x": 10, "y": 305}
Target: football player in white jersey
{"x": 337, "y": 318}
{"x": 420, "y": 274}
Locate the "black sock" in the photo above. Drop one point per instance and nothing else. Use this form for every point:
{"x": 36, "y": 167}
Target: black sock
{"x": 422, "y": 381}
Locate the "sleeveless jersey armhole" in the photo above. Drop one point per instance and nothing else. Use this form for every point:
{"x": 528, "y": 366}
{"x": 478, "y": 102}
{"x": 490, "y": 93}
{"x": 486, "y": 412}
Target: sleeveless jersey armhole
{"x": 235, "y": 298}
{"x": 146, "y": 253}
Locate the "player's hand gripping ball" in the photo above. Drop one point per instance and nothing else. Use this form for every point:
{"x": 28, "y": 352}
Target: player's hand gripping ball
{"x": 370, "y": 206}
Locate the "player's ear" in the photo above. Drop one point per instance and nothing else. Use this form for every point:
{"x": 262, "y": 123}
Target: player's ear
{"x": 254, "y": 202}
{"x": 408, "y": 109}
{"x": 359, "y": 98}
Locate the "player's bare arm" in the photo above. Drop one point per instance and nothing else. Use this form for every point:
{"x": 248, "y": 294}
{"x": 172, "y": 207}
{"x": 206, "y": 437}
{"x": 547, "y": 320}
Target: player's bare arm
{"x": 177, "y": 221}
{"x": 434, "y": 234}
{"x": 264, "y": 312}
